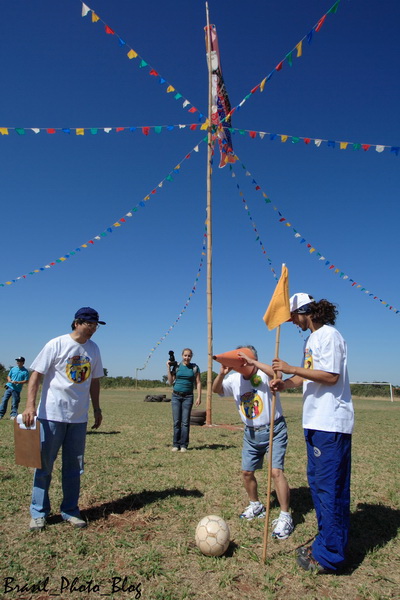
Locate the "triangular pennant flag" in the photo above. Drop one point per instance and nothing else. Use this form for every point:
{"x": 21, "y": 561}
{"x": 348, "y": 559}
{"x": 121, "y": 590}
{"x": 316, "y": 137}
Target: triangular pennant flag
{"x": 85, "y": 10}
{"x": 278, "y": 311}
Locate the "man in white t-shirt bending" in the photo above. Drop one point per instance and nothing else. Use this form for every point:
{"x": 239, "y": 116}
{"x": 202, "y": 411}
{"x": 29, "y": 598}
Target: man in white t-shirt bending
{"x": 253, "y": 396}
{"x": 328, "y": 420}
{"x": 71, "y": 366}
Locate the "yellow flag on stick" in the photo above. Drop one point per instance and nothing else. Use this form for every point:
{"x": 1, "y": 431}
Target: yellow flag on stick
{"x": 278, "y": 311}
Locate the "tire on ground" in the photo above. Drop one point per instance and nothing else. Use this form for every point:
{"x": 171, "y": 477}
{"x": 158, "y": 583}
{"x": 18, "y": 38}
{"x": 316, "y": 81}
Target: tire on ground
{"x": 197, "y": 420}
{"x": 198, "y": 413}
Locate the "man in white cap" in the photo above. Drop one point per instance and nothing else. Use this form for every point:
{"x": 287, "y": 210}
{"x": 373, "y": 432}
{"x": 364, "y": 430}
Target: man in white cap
{"x": 328, "y": 420}
{"x": 72, "y": 367}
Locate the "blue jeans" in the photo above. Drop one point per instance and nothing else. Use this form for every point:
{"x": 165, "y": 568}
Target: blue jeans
{"x": 15, "y": 402}
{"x": 181, "y": 409}
{"x": 71, "y": 437}
{"x": 328, "y": 471}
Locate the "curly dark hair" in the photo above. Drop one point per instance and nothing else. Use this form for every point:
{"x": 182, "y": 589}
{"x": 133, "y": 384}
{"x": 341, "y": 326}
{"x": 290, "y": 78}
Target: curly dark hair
{"x": 323, "y": 312}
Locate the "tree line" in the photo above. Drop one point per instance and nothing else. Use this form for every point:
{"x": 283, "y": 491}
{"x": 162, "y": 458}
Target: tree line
{"x": 379, "y": 389}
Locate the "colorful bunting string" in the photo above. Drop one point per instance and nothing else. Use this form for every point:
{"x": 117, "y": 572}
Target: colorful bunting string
{"x": 143, "y": 64}
{"x": 313, "y": 251}
{"x": 253, "y": 224}
{"x": 298, "y": 49}
{"x": 185, "y": 306}
{"x": 158, "y": 129}
{"x": 109, "y": 230}
{"x": 144, "y": 129}
{"x": 317, "y": 142}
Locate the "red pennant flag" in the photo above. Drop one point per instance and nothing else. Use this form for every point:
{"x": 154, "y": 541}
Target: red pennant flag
{"x": 51, "y": 130}
{"x": 109, "y": 30}
{"x": 193, "y": 127}
{"x": 255, "y": 89}
{"x": 253, "y": 134}
{"x": 153, "y": 72}
{"x": 145, "y": 130}
{"x": 366, "y": 147}
{"x": 307, "y": 140}
{"x": 279, "y": 67}
{"x": 120, "y": 129}
{"x": 192, "y": 110}
{"x": 320, "y": 23}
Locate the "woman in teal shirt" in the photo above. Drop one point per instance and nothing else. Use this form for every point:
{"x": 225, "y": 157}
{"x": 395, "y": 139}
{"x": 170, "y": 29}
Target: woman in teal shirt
{"x": 184, "y": 378}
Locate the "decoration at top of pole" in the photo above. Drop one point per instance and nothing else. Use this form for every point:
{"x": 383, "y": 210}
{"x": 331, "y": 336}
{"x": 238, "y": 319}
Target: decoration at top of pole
{"x": 221, "y": 107}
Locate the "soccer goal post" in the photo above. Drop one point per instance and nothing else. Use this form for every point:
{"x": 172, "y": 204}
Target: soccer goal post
{"x": 375, "y": 383}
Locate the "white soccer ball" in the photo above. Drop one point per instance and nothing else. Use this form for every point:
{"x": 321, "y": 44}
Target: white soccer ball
{"x": 212, "y": 535}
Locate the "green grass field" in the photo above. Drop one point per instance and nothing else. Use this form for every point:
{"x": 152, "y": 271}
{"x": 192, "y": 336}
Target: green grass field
{"x": 143, "y": 503}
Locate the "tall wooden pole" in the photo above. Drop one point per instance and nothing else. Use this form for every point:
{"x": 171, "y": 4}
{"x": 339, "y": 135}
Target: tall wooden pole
{"x": 209, "y": 232}
{"x": 271, "y": 442}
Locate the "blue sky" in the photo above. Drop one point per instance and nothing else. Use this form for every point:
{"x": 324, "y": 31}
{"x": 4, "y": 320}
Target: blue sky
{"x": 60, "y": 70}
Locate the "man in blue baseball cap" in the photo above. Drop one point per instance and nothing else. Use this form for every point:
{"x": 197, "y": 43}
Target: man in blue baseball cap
{"x": 70, "y": 367}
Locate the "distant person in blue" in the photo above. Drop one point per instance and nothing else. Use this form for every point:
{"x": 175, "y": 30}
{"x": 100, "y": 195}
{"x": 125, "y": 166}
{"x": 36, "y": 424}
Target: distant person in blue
{"x": 184, "y": 378}
{"x": 16, "y": 378}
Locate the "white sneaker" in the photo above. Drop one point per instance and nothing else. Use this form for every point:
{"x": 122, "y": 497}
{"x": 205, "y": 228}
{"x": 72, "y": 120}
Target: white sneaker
{"x": 255, "y": 510}
{"x": 174, "y": 449}
{"x": 76, "y": 522}
{"x": 283, "y": 527}
{"x": 37, "y": 524}
{"x": 183, "y": 449}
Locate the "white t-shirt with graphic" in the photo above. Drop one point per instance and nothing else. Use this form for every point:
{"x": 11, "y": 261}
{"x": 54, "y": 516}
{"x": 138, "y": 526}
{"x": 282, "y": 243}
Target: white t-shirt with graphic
{"x": 253, "y": 403}
{"x": 327, "y": 407}
{"x": 68, "y": 368}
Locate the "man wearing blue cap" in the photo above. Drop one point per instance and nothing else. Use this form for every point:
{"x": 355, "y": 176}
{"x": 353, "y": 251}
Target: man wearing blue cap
{"x": 328, "y": 420}
{"x": 70, "y": 367}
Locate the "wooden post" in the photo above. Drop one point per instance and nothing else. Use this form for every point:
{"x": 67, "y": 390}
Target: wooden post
{"x": 209, "y": 232}
{"x": 271, "y": 441}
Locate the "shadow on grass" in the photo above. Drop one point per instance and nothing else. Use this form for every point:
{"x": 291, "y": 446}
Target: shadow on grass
{"x": 214, "y": 447}
{"x": 90, "y": 432}
{"x": 371, "y": 526}
{"x": 135, "y": 502}
{"x": 300, "y": 503}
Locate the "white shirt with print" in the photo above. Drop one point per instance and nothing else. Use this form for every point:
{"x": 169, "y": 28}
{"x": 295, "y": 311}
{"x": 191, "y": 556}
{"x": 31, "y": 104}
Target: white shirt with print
{"x": 253, "y": 403}
{"x": 68, "y": 368}
{"x": 327, "y": 407}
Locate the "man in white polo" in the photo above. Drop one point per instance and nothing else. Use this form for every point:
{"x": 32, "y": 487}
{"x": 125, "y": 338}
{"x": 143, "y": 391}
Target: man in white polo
{"x": 328, "y": 420}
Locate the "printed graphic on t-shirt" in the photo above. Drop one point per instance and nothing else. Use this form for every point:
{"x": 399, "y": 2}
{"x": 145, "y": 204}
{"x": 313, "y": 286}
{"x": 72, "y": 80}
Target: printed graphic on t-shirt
{"x": 251, "y": 405}
{"x": 308, "y": 359}
{"x": 78, "y": 368}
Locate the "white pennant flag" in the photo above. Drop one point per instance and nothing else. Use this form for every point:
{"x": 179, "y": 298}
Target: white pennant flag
{"x": 85, "y": 10}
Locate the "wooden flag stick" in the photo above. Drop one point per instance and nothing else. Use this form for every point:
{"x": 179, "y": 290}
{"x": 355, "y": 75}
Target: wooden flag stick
{"x": 271, "y": 441}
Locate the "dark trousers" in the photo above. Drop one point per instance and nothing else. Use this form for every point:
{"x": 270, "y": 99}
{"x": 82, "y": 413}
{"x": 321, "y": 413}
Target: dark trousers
{"x": 181, "y": 409}
{"x": 328, "y": 471}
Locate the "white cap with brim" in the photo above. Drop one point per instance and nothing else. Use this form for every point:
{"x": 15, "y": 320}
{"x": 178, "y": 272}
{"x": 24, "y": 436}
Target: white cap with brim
{"x": 299, "y": 301}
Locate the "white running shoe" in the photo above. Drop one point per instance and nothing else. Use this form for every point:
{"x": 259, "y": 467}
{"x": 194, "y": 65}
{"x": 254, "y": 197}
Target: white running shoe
{"x": 283, "y": 527}
{"x": 255, "y": 510}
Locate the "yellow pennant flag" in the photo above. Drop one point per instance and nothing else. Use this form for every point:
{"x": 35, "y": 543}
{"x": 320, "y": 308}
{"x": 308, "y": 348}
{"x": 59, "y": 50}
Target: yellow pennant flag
{"x": 278, "y": 311}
